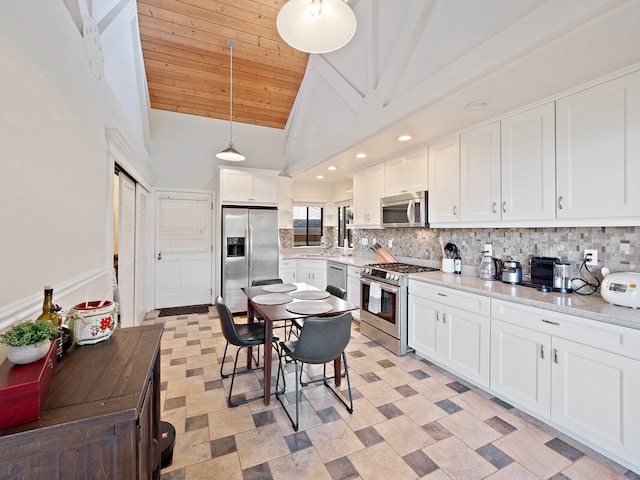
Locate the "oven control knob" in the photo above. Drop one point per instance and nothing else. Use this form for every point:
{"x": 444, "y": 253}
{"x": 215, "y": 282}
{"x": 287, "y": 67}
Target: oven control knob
{"x": 394, "y": 277}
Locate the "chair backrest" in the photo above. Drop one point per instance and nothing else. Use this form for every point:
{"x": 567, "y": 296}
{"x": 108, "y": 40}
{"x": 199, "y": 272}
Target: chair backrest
{"x": 266, "y": 281}
{"x": 323, "y": 339}
{"x": 337, "y": 291}
{"x": 227, "y": 324}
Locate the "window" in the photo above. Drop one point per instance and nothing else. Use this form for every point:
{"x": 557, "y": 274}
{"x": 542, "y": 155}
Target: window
{"x": 345, "y": 216}
{"x": 307, "y": 225}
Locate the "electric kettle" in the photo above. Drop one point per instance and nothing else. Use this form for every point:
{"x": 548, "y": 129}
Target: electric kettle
{"x": 489, "y": 267}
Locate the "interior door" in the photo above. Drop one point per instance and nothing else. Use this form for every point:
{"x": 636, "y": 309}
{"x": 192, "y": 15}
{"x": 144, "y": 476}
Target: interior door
{"x": 126, "y": 249}
{"x": 183, "y": 253}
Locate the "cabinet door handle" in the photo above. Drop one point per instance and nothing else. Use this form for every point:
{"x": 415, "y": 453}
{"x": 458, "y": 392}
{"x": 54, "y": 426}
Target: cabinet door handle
{"x": 444, "y": 318}
{"x": 551, "y": 323}
{"x": 494, "y": 207}
{"x": 442, "y": 294}
{"x": 560, "y": 200}
{"x": 437, "y": 316}
{"x": 504, "y": 207}
{"x": 455, "y": 210}
{"x": 542, "y": 352}
{"x": 555, "y": 355}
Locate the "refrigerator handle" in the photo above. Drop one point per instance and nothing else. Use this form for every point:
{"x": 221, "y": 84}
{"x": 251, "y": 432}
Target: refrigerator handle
{"x": 250, "y": 256}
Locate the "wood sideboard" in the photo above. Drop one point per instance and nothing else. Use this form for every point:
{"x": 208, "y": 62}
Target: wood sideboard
{"x": 101, "y": 419}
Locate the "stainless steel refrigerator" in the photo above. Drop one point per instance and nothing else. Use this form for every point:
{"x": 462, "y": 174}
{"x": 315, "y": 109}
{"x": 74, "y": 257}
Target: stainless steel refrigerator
{"x": 249, "y": 251}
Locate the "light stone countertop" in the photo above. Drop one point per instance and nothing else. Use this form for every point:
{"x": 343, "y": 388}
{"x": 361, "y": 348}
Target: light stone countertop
{"x": 347, "y": 260}
{"x": 587, "y": 306}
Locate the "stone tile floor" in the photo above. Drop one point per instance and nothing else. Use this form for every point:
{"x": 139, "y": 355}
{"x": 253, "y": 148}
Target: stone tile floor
{"x": 411, "y": 420}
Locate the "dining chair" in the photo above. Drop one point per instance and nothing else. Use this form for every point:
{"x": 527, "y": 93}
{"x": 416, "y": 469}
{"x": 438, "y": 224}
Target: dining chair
{"x": 241, "y": 335}
{"x": 322, "y": 340}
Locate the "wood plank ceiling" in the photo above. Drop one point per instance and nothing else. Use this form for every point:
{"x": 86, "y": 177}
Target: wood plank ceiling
{"x": 186, "y": 57}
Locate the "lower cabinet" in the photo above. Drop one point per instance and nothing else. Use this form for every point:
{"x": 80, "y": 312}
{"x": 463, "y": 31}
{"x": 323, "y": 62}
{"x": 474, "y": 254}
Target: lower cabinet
{"x": 451, "y": 328}
{"x": 101, "y": 418}
{"x": 288, "y": 271}
{"x": 353, "y": 287}
{"x": 582, "y": 375}
{"x": 313, "y": 272}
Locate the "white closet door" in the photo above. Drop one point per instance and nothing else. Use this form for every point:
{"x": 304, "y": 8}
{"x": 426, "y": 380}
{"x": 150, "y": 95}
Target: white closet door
{"x": 143, "y": 251}
{"x": 126, "y": 250}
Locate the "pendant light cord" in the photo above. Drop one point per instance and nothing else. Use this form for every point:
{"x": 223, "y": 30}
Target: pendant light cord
{"x": 231, "y": 43}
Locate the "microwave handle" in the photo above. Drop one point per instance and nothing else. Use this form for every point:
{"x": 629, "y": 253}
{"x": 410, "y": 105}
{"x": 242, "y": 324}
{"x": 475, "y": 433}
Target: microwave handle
{"x": 411, "y": 211}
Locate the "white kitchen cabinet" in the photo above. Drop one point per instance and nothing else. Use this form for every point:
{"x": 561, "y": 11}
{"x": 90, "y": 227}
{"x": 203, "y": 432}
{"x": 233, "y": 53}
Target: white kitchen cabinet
{"x": 451, "y": 327}
{"x": 285, "y": 202}
{"x": 248, "y": 186}
{"x": 353, "y": 287}
{"x": 313, "y": 272}
{"x": 289, "y": 270}
{"x": 368, "y": 188}
{"x": 480, "y": 195}
{"x": 444, "y": 180}
{"x": 580, "y": 374}
{"x": 528, "y": 165}
{"x": 598, "y": 151}
{"x": 407, "y": 173}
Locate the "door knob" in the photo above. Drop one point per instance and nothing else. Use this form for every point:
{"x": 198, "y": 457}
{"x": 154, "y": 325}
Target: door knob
{"x": 159, "y": 255}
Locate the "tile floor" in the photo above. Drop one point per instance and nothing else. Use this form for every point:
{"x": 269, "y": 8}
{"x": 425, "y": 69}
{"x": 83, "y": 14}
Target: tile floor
{"x": 411, "y": 420}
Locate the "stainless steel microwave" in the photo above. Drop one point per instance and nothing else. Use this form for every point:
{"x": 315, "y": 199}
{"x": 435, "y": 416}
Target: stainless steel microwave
{"x": 405, "y": 210}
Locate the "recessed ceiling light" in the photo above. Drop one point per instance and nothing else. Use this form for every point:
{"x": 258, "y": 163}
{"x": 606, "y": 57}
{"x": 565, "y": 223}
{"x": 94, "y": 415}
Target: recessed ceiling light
{"x": 361, "y": 155}
{"x": 331, "y": 168}
{"x": 319, "y": 177}
{"x": 478, "y": 104}
{"x": 404, "y": 138}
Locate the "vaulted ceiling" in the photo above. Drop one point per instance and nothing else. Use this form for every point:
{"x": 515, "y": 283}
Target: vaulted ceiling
{"x": 186, "y": 57}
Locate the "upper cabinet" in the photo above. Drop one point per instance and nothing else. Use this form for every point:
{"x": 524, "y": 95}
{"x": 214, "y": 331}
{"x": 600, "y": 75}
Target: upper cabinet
{"x": 598, "y": 151}
{"x": 480, "y": 174}
{"x": 444, "y": 180}
{"x": 248, "y": 186}
{"x": 368, "y": 188}
{"x": 285, "y": 202}
{"x": 408, "y": 173}
{"x": 528, "y": 165}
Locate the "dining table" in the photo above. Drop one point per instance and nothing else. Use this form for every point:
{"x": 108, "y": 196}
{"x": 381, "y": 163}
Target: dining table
{"x": 279, "y": 303}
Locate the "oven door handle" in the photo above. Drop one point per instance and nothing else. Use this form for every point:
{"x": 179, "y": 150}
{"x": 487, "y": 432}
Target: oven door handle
{"x": 383, "y": 286}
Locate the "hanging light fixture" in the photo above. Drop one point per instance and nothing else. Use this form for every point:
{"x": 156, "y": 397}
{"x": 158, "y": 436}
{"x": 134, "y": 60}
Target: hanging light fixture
{"x": 230, "y": 153}
{"x": 316, "y": 26}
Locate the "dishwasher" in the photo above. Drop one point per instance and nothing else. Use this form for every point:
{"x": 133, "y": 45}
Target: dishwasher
{"x": 337, "y": 274}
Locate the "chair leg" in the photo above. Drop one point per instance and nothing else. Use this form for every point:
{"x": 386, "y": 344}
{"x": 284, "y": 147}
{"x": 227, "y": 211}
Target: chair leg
{"x": 279, "y": 394}
{"x": 233, "y": 377}
{"x": 224, "y": 355}
{"x": 349, "y": 406}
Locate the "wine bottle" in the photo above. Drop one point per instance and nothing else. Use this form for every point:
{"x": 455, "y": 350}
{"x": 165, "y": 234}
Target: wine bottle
{"x": 457, "y": 264}
{"x": 49, "y": 310}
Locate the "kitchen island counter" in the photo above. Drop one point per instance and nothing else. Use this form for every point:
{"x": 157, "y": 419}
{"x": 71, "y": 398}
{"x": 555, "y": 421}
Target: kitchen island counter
{"x": 593, "y": 306}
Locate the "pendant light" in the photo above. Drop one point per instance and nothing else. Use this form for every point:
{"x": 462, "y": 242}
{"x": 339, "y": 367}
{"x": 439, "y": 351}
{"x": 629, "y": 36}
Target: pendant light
{"x": 230, "y": 153}
{"x": 316, "y": 26}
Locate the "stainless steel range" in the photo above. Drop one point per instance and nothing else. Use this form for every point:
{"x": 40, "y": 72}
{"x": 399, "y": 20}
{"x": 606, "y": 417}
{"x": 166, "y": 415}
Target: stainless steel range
{"x": 383, "y": 303}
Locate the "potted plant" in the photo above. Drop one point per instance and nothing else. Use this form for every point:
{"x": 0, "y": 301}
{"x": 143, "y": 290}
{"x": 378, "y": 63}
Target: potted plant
{"x": 28, "y": 341}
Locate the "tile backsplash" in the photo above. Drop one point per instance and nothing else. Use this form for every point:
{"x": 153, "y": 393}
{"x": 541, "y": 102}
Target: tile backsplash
{"x": 618, "y": 247}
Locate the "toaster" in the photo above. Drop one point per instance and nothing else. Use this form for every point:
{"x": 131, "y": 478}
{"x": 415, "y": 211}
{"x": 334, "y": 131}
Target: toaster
{"x": 622, "y": 288}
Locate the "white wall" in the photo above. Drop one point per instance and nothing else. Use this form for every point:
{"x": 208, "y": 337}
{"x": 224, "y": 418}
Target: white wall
{"x": 184, "y": 149}
{"x": 56, "y": 187}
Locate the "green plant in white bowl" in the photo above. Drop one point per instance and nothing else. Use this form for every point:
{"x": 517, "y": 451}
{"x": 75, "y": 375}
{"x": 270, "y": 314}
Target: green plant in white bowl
{"x": 28, "y": 341}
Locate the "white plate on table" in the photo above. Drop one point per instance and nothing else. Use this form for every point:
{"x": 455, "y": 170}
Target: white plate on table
{"x": 309, "y": 307}
{"x": 310, "y": 294}
{"x": 272, "y": 298}
{"x": 280, "y": 287}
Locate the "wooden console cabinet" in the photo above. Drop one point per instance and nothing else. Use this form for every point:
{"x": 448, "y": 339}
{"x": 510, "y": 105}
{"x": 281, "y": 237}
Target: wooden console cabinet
{"x": 101, "y": 419}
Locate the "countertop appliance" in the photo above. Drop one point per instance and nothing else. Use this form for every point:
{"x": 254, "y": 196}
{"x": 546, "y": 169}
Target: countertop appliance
{"x": 542, "y": 276}
{"x": 249, "y": 251}
{"x": 490, "y": 267}
{"x": 622, "y": 288}
{"x": 405, "y": 210}
{"x": 511, "y": 272}
{"x": 337, "y": 274}
{"x": 562, "y": 277}
{"x": 383, "y": 303}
